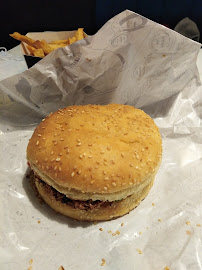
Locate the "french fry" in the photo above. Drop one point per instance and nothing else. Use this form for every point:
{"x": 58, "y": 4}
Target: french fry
{"x": 20, "y": 37}
{"x": 39, "y": 53}
{"x": 56, "y": 46}
{"x": 43, "y": 45}
{"x": 79, "y": 34}
{"x": 72, "y": 40}
{"x": 40, "y": 48}
{"x": 46, "y": 48}
{"x": 36, "y": 52}
{"x": 64, "y": 41}
{"x": 31, "y": 49}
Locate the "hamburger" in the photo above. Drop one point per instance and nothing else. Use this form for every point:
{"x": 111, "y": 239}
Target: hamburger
{"x": 95, "y": 162}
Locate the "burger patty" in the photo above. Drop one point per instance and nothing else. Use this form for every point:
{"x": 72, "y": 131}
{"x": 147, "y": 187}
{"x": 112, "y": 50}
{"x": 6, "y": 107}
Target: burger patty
{"x": 76, "y": 204}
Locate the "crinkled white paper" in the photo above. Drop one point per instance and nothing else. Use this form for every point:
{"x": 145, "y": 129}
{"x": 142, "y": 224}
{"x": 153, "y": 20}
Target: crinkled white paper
{"x": 131, "y": 60}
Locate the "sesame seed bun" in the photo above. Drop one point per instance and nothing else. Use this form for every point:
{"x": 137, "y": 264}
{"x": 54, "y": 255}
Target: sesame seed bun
{"x": 93, "y": 152}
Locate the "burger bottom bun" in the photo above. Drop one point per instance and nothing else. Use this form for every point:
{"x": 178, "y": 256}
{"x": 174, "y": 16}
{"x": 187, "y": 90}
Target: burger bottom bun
{"x": 103, "y": 212}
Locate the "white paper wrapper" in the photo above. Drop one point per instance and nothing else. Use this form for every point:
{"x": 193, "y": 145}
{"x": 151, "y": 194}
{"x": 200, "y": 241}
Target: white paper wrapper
{"x": 131, "y": 60}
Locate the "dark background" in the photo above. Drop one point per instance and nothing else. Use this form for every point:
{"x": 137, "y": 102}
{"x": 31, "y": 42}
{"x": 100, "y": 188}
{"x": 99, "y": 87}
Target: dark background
{"x": 58, "y": 15}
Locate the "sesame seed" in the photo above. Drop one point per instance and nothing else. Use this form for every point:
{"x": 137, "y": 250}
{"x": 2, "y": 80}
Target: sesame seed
{"x": 60, "y": 154}
{"x": 47, "y": 167}
{"x": 137, "y": 167}
{"x": 60, "y": 169}
{"x": 92, "y": 182}
{"x": 79, "y": 172}
{"x": 67, "y": 151}
{"x": 78, "y": 144}
{"x": 43, "y": 120}
{"x": 39, "y": 135}
{"x": 104, "y": 172}
{"x": 37, "y": 162}
{"x": 70, "y": 129}
{"x": 55, "y": 143}
{"x": 105, "y": 163}
{"x": 131, "y": 165}
{"x": 75, "y": 167}
{"x": 113, "y": 184}
{"x": 72, "y": 175}
{"x": 61, "y": 139}
{"x": 108, "y": 148}
{"x": 80, "y": 156}
{"x": 51, "y": 152}
{"x": 57, "y": 159}
{"x": 106, "y": 178}
{"x": 43, "y": 127}
{"x": 37, "y": 143}
{"x": 52, "y": 159}
{"x": 90, "y": 144}
{"x": 130, "y": 183}
{"x": 102, "y": 152}
{"x": 139, "y": 251}
{"x": 78, "y": 140}
{"x": 89, "y": 156}
{"x": 113, "y": 162}
{"x": 55, "y": 168}
{"x": 105, "y": 188}
{"x": 122, "y": 155}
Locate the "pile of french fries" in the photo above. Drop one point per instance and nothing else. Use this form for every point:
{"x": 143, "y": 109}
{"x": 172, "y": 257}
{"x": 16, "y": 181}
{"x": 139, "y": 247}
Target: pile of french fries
{"x": 41, "y": 48}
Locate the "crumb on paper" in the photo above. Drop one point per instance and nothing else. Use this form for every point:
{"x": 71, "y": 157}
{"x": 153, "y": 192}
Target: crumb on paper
{"x": 61, "y": 268}
{"x": 103, "y": 262}
{"x": 29, "y": 268}
{"x": 153, "y": 203}
{"x": 188, "y": 222}
{"x": 30, "y": 261}
{"x": 139, "y": 251}
{"x": 114, "y": 234}
{"x": 118, "y": 232}
{"x": 198, "y": 225}
{"x": 122, "y": 224}
{"x": 110, "y": 232}
{"x": 166, "y": 268}
{"x": 188, "y": 232}
{"x": 101, "y": 229}
{"x": 140, "y": 233}
{"x": 159, "y": 220}
{"x": 39, "y": 221}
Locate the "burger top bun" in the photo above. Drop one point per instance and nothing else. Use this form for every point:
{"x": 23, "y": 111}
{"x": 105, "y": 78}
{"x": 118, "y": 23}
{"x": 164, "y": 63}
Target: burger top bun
{"x": 96, "y": 152}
